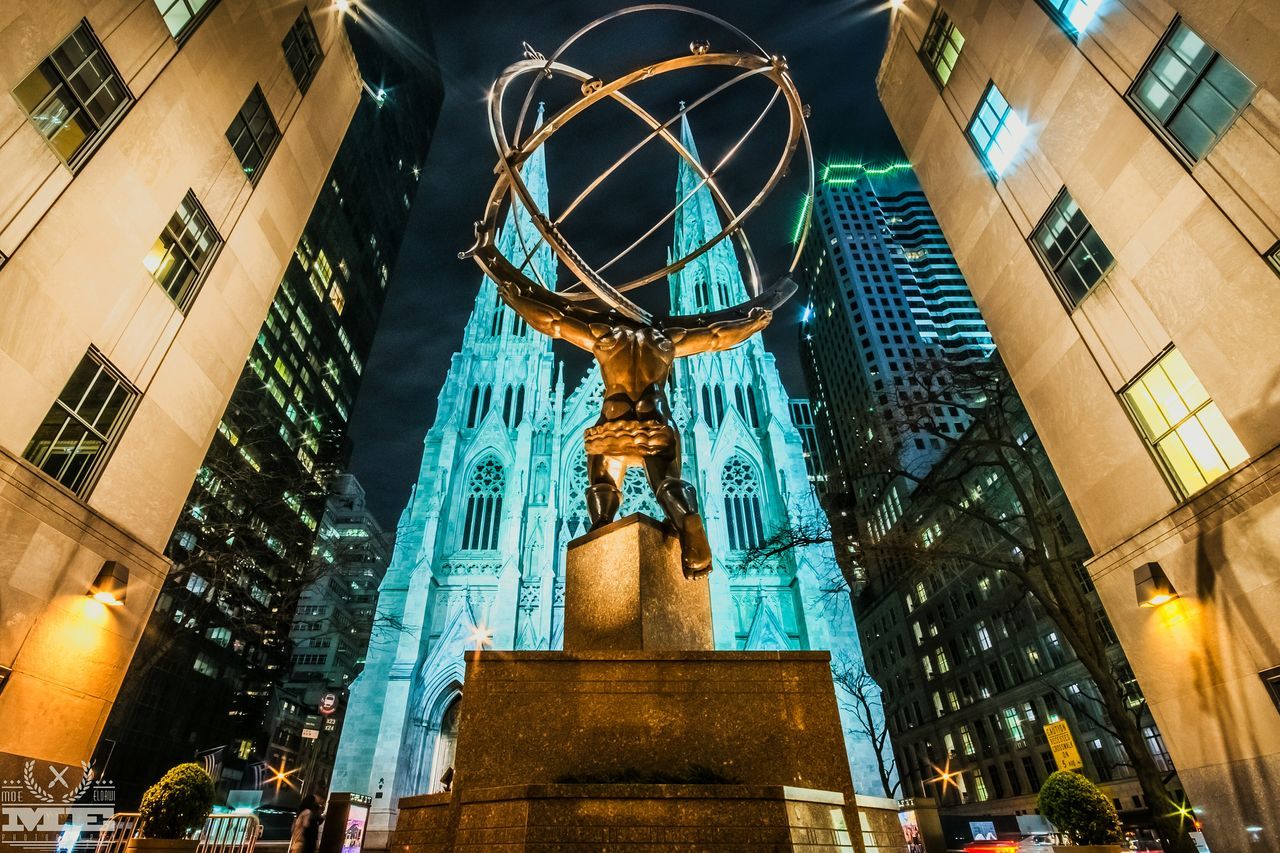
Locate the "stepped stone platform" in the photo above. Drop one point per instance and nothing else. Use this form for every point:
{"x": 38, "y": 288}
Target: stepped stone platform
{"x": 622, "y": 742}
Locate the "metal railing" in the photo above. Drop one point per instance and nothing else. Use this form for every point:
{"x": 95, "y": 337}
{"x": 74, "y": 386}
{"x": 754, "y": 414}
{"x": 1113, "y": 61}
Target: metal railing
{"x": 115, "y": 834}
{"x": 221, "y": 833}
{"x": 229, "y": 833}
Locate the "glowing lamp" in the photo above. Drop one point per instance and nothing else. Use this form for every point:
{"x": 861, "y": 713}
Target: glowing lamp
{"x": 111, "y": 584}
{"x": 1153, "y": 585}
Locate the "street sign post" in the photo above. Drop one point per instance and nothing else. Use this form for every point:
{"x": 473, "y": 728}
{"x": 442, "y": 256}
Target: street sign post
{"x": 1063, "y": 745}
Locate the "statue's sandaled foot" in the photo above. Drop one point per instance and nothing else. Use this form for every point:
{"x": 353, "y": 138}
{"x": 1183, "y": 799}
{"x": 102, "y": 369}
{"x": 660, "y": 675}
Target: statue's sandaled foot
{"x": 695, "y": 551}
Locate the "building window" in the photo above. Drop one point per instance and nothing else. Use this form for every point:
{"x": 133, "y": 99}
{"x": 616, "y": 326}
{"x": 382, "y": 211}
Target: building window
{"x": 75, "y": 97}
{"x": 996, "y": 132}
{"x": 742, "y": 508}
{"x": 980, "y": 785}
{"x": 1155, "y": 744}
{"x": 1190, "y": 91}
{"x": 1271, "y": 678}
{"x": 484, "y": 506}
{"x": 302, "y": 51}
{"x": 253, "y": 134}
{"x": 181, "y": 16}
{"x": 1273, "y": 258}
{"x": 1072, "y": 15}
{"x": 336, "y": 299}
{"x": 1071, "y": 249}
{"x": 75, "y": 439}
{"x": 1182, "y": 425}
{"x": 184, "y": 252}
{"x": 941, "y": 47}
{"x": 1013, "y": 723}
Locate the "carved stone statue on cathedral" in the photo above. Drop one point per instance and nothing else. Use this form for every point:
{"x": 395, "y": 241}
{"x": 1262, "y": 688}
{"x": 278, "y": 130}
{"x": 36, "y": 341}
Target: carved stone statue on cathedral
{"x": 635, "y": 419}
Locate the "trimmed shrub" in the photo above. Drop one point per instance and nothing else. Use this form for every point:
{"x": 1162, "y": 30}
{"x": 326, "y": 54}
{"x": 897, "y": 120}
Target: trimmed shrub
{"x": 1077, "y": 808}
{"x": 178, "y": 803}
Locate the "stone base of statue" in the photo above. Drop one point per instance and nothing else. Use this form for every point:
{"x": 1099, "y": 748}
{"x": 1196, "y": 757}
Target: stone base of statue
{"x": 638, "y": 736}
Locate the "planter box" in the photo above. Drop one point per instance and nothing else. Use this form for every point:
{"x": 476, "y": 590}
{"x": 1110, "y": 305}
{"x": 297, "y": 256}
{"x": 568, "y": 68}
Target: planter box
{"x": 163, "y": 845}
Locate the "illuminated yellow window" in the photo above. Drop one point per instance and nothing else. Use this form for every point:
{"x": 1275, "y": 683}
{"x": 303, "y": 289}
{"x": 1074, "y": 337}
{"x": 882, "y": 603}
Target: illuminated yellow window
{"x": 1182, "y": 425}
{"x": 321, "y": 273}
{"x": 336, "y": 299}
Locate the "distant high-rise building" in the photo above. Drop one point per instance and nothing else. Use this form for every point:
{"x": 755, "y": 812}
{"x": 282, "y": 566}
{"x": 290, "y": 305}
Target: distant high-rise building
{"x": 159, "y": 160}
{"x": 972, "y": 668}
{"x": 330, "y": 635}
{"x": 802, "y": 417}
{"x": 883, "y": 297}
{"x": 1106, "y": 174}
{"x": 480, "y": 547}
{"x": 209, "y": 673}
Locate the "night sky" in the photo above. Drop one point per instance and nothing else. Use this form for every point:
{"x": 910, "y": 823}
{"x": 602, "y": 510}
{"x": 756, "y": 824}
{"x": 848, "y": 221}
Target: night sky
{"x": 833, "y": 49}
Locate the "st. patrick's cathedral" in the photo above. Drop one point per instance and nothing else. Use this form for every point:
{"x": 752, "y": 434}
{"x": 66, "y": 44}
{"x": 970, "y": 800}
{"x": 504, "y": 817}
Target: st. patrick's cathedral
{"x": 480, "y": 547}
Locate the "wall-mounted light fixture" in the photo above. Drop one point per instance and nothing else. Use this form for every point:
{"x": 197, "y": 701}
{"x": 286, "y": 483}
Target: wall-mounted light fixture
{"x": 1153, "y": 585}
{"x": 111, "y": 584}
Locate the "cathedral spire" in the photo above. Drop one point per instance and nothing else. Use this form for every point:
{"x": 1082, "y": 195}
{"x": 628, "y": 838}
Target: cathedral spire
{"x": 518, "y": 238}
{"x": 714, "y": 280}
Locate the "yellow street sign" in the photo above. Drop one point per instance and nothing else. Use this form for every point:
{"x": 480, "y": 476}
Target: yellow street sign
{"x": 1063, "y": 745}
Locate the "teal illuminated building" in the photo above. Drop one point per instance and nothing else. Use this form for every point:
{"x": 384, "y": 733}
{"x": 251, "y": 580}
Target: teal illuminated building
{"x": 479, "y": 554}
{"x": 883, "y": 296}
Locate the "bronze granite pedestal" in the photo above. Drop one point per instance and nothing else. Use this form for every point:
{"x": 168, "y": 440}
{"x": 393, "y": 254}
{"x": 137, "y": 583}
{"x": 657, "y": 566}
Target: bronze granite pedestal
{"x": 638, "y": 736}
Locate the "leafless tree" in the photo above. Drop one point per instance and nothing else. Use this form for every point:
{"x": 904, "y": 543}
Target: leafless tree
{"x": 952, "y": 529}
{"x": 868, "y": 713}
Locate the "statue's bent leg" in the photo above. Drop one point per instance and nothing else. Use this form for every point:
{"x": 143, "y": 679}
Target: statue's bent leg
{"x": 604, "y": 495}
{"x": 679, "y": 500}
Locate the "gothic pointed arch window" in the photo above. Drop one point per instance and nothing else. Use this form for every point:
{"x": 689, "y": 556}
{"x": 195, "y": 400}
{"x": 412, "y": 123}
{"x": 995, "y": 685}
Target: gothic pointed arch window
{"x": 498, "y": 316}
{"x": 740, "y": 401}
{"x": 474, "y": 409}
{"x": 484, "y": 505}
{"x": 743, "y": 510}
{"x": 485, "y": 401}
{"x": 719, "y": 395}
{"x": 753, "y": 411}
{"x": 519, "y": 406}
{"x": 706, "y": 405}
{"x": 699, "y": 288}
{"x": 507, "y": 399}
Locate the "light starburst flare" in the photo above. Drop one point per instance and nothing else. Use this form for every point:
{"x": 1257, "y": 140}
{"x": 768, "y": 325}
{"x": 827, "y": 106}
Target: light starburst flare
{"x": 946, "y": 776}
{"x": 480, "y": 637}
{"x": 281, "y": 774}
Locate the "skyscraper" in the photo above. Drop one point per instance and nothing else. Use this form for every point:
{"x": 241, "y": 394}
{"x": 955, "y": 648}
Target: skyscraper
{"x": 159, "y": 159}
{"x": 330, "y": 634}
{"x": 884, "y": 296}
{"x": 209, "y": 673}
{"x": 480, "y": 547}
{"x": 1106, "y": 177}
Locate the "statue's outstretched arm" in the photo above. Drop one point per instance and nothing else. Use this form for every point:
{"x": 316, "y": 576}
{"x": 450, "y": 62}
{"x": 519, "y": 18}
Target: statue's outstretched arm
{"x": 721, "y": 335}
{"x": 546, "y": 313}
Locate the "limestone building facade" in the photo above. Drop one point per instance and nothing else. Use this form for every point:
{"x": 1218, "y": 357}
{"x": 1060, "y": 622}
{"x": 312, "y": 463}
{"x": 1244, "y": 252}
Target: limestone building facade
{"x": 1108, "y": 176}
{"x": 159, "y": 161}
{"x": 480, "y": 547}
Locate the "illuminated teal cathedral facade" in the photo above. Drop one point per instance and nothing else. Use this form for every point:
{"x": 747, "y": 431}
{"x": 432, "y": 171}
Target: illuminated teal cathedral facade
{"x": 480, "y": 547}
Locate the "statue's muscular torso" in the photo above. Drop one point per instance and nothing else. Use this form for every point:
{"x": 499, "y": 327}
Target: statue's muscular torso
{"x": 634, "y": 364}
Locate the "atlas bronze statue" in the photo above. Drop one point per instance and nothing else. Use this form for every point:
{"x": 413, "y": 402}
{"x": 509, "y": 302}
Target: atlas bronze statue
{"x": 635, "y": 350}
{"x": 635, "y": 418}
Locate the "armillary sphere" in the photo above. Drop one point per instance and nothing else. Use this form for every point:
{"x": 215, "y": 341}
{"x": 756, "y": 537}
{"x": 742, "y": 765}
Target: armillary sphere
{"x": 591, "y": 285}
